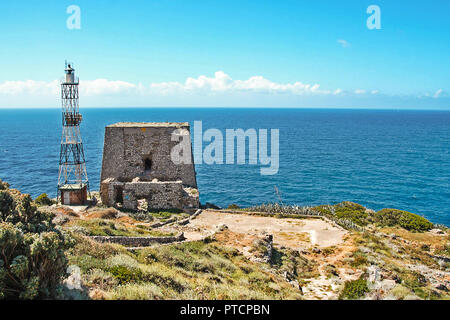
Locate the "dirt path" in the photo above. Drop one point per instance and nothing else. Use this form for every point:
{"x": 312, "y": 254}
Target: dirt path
{"x": 325, "y": 287}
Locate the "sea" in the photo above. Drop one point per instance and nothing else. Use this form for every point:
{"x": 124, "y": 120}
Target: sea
{"x": 378, "y": 158}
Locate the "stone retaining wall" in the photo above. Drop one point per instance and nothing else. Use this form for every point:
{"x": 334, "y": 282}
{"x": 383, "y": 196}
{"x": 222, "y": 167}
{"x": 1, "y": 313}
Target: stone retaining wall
{"x": 138, "y": 241}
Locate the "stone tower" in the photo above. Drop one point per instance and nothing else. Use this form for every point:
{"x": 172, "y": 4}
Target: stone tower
{"x": 137, "y": 165}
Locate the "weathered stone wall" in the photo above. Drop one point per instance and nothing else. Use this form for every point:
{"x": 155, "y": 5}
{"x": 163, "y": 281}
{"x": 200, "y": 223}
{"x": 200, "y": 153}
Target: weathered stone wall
{"x": 159, "y": 194}
{"x": 138, "y": 241}
{"x": 128, "y": 146}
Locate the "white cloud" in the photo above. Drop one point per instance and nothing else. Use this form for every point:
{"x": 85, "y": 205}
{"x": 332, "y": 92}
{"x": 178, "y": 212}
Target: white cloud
{"x": 220, "y": 89}
{"x": 438, "y": 93}
{"x": 343, "y": 43}
{"x": 221, "y": 82}
{"x": 103, "y": 86}
{"x": 43, "y": 88}
{"x": 29, "y": 87}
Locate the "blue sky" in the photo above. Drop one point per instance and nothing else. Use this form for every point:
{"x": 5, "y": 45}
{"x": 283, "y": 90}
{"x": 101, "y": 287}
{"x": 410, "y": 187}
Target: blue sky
{"x": 236, "y": 53}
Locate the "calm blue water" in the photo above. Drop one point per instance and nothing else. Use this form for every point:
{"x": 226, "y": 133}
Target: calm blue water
{"x": 380, "y": 159}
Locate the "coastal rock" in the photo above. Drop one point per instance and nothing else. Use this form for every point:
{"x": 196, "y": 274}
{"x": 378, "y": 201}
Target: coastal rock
{"x": 442, "y": 287}
{"x": 364, "y": 249}
{"x": 60, "y": 219}
{"x": 221, "y": 227}
{"x": 316, "y": 250}
{"x": 264, "y": 243}
{"x": 374, "y": 274}
{"x": 437, "y": 231}
{"x": 209, "y": 205}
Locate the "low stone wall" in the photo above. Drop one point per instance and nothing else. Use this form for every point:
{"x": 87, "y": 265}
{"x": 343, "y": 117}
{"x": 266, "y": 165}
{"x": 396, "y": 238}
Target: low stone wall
{"x": 187, "y": 220}
{"x": 138, "y": 241}
{"x": 160, "y": 224}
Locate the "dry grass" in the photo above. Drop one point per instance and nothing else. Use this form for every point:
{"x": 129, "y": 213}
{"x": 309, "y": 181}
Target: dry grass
{"x": 109, "y": 213}
{"x": 195, "y": 270}
{"x": 295, "y": 236}
{"x": 424, "y": 238}
{"x": 66, "y": 211}
{"x": 108, "y": 227}
{"x": 234, "y": 239}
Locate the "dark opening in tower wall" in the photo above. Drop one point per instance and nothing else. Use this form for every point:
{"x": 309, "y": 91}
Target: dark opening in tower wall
{"x": 147, "y": 165}
{"x": 118, "y": 190}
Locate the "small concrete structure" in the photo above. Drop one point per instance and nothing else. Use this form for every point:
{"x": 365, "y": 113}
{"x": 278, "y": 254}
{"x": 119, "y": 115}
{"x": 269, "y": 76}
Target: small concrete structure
{"x": 73, "y": 194}
{"x": 137, "y": 164}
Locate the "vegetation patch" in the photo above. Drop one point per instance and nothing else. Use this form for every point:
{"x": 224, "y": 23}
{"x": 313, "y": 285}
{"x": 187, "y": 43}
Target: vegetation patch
{"x": 126, "y": 275}
{"x": 32, "y": 260}
{"x": 107, "y": 227}
{"x": 297, "y": 236}
{"x": 43, "y": 200}
{"x": 352, "y": 211}
{"x": 400, "y": 292}
{"x": 359, "y": 259}
{"x": 404, "y": 219}
{"x": 443, "y": 250}
{"x": 354, "y": 290}
{"x": 291, "y": 263}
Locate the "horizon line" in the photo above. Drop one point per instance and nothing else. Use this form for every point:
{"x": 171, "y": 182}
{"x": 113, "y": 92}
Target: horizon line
{"x": 236, "y": 107}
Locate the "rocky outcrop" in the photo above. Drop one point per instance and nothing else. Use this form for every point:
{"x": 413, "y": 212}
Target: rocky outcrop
{"x": 264, "y": 244}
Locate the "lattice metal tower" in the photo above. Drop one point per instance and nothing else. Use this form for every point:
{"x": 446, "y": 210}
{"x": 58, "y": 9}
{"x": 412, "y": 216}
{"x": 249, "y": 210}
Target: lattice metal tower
{"x": 73, "y": 183}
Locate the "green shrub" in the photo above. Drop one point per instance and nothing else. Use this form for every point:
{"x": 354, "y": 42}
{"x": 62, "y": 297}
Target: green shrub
{"x": 32, "y": 261}
{"x": 126, "y": 275}
{"x": 19, "y": 209}
{"x": 444, "y": 250}
{"x": 233, "y": 206}
{"x": 43, "y": 200}
{"x": 131, "y": 291}
{"x": 404, "y": 219}
{"x": 413, "y": 280}
{"x": 32, "y": 264}
{"x": 123, "y": 260}
{"x": 3, "y": 185}
{"x": 359, "y": 259}
{"x": 346, "y": 210}
{"x": 7, "y": 204}
{"x": 354, "y": 289}
{"x": 352, "y": 211}
{"x": 400, "y": 292}
{"x": 98, "y": 277}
